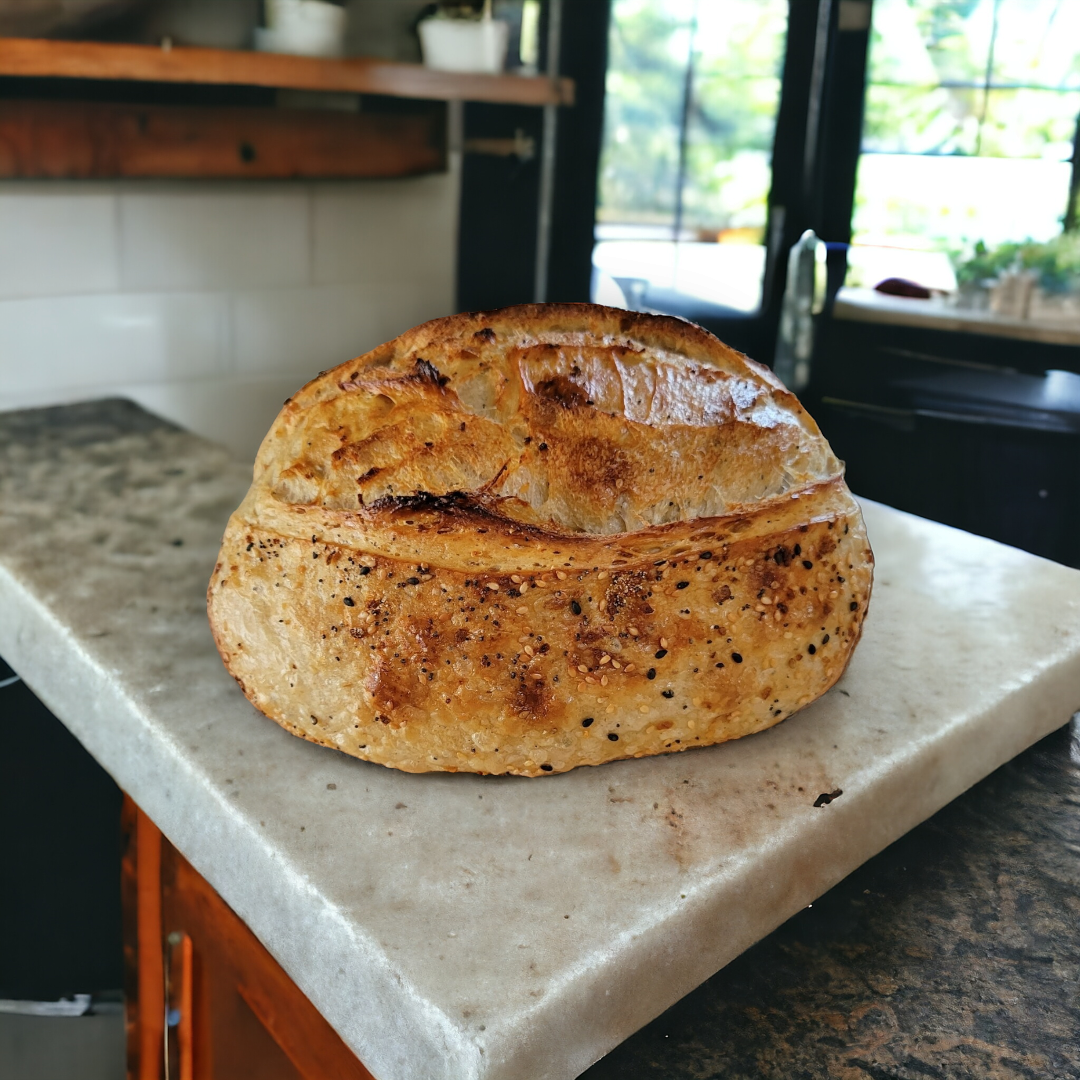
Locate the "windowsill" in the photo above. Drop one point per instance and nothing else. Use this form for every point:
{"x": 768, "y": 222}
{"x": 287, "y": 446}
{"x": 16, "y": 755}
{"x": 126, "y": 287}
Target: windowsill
{"x": 866, "y": 305}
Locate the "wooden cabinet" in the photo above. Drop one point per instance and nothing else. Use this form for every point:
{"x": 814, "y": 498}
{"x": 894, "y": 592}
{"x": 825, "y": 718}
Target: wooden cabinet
{"x": 205, "y": 1000}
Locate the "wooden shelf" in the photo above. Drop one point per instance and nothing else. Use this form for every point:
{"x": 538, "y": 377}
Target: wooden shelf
{"x": 89, "y": 140}
{"x": 27, "y": 57}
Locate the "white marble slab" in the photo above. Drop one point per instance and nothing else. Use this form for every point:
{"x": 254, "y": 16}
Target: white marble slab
{"x": 458, "y": 927}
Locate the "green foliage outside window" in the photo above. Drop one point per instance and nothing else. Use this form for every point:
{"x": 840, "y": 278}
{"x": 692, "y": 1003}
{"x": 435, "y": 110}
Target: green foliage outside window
{"x": 737, "y": 51}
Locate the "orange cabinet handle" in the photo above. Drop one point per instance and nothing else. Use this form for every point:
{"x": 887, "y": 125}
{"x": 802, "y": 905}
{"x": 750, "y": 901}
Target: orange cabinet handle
{"x": 179, "y": 1064}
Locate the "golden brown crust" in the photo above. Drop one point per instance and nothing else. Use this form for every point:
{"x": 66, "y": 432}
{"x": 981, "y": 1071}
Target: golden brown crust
{"x": 525, "y": 540}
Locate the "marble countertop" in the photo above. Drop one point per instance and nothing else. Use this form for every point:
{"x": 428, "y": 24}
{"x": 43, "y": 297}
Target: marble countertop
{"x": 464, "y": 927}
{"x": 868, "y": 305}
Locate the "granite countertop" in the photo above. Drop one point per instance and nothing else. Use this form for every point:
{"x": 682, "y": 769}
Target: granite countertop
{"x": 954, "y": 954}
{"x": 472, "y": 928}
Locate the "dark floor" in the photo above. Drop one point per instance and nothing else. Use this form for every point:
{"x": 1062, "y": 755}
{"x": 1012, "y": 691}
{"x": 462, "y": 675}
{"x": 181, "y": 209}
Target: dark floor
{"x": 62, "y": 1048}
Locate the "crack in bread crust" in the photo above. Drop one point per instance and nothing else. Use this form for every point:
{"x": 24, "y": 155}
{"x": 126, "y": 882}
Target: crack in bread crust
{"x": 456, "y": 554}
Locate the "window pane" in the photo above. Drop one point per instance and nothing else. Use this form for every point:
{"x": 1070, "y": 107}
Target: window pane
{"x": 1030, "y": 123}
{"x": 971, "y": 112}
{"x": 924, "y": 42}
{"x": 945, "y": 203}
{"x": 642, "y": 111}
{"x": 733, "y": 51}
{"x": 1038, "y": 44}
{"x": 740, "y": 55}
{"x": 921, "y": 120}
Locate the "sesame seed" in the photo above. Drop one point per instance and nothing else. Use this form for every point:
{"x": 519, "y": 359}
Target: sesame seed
{"x": 493, "y": 586}
{"x": 587, "y": 722}
{"x": 575, "y": 607}
{"x": 580, "y": 686}
{"x": 601, "y": 575}
{"x": 603, "y": 680}
{"x": 651, "y": 673}
{"x": 529, "y": 651}
{"x": 541, "y": 582}
{"x": 766, "y": 600}
{"x": 610, "y": 709}
{"x": 583, "y": 669}
{"x": 736, "y": 657}
{"x": 560, "y": 575}
{"x": 698, "y": 702}
{"x": 633, "y": 631}
{"x": 523, "y": 588}
{"x": 515, "y": 578}
{"x": 590, "y": 679}
{"x": 682, "y": 585}
{"x": 663, "y": 643}
{"x": 349, "y": 602}
{"x": 616, "y": 665}
{"x": 523, "y": 610}
{"x": 629, "y": 668}
{"x": 537, "y": 676}
{"x": 605, "y": 659}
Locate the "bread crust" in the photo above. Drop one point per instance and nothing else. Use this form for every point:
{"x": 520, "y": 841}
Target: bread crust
{"x": 525, "y": 540}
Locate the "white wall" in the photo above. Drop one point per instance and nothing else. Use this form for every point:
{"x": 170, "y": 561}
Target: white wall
{"x": 210, "y": 303}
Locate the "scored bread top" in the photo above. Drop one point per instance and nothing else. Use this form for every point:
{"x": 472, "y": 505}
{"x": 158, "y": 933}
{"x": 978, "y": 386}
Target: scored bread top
{"x": 577, "y": 420}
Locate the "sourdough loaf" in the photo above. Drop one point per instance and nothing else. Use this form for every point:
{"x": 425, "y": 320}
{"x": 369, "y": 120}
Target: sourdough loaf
{"x": 525, "y": 540}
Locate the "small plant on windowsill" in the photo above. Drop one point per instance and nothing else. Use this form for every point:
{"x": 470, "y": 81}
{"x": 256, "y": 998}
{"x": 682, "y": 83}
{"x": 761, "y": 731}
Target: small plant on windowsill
{"x": 1026, "y": 279}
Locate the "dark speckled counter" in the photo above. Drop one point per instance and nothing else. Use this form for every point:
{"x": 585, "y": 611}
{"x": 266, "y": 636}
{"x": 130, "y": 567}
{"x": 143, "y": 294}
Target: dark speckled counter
{"x": 955, "y": 953}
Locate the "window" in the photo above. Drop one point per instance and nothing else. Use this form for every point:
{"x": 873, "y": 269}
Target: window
{"x": 693, "y": 88}
{"x": 971, "y": 115}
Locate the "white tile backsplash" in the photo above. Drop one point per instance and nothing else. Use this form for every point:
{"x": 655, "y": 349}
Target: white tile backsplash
{"x": 212, "y": 303}
{"x": 377, "y": 229}
{"x": 209, "y": 237}
{"x": 83, "y": 341}
{"x": 236, "y": 412}
{"x": 304, "y": 331}
{"x": 57, "y": 241}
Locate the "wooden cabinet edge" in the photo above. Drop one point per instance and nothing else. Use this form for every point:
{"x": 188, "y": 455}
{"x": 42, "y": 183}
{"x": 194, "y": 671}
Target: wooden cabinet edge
{"x": 160, "y": 888}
